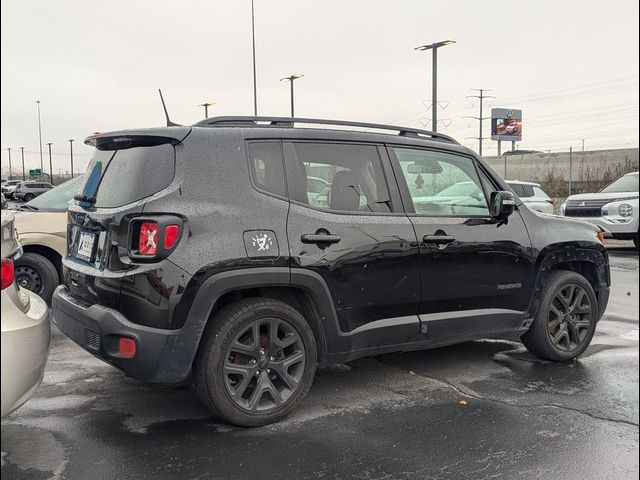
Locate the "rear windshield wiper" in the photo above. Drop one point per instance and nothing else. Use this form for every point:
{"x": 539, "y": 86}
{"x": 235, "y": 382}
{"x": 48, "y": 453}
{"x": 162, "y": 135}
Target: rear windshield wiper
{"x": 85, "y": 199}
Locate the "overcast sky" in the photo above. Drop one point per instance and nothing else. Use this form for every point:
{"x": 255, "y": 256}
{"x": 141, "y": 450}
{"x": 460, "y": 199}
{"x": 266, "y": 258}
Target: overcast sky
{"x": 572, "y": 66}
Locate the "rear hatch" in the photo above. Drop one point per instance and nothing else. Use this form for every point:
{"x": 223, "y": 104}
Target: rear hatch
{"x": 125, "y": 170}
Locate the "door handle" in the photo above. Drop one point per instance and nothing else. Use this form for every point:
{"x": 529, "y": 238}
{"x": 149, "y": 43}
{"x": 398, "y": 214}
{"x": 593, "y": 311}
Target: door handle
{"x": 439, "y": 239}
{"x": 319, "y": 238}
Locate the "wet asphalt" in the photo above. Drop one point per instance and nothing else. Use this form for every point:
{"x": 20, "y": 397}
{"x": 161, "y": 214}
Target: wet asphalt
{"x": 479, "y": 410}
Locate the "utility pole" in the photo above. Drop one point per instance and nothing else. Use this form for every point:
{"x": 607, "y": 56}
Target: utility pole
{"x": 206, "y": 106}
{"x": 291, "y": 79}
{"x": 71, "y": 152}
{"x": 570, "y": 170}
{"x": 38, "y": 102}
{"x": 583, "y": 144}
{"x": 434, "y": 80}
{"x": 9, "y": 150}
{"x": 50, "y": 163}
{"x": 253, "y": 44}
{"x": 480, "y": 119}
{"x": 24, "y": 177}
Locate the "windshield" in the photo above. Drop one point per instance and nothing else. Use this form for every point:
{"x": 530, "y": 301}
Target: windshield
{"x": 57, "y": 199}
{"x": 628, "y": 183}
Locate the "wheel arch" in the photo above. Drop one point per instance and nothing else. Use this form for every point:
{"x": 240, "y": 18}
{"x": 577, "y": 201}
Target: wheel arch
{"x": 47, "y": 252}
{"x": 304, "y": 290}
{"x": 591, "y": 263}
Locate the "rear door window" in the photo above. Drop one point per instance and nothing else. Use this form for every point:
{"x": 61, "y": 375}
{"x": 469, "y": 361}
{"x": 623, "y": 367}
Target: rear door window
{"x": 338, "y": 177}
{"x": 116, "y": 178}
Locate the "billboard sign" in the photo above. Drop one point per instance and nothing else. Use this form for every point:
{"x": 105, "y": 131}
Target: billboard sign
{"x": 506, "y": 124}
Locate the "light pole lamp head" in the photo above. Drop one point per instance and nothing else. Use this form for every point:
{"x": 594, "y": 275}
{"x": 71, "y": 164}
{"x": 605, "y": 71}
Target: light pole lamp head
{"x": 430, "y": 46}
{"x": 206, "y": 104}
{"x": 293, "y": 77}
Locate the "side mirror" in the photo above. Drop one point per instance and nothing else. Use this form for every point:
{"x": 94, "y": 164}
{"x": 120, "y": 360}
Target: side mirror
{"x": 503, "y": 204}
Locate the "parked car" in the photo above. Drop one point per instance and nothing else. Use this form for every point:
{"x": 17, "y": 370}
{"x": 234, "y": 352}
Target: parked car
{"x": 27, "y": 191}
{"x": 614, "y": 209}
{"x": 25, "y": 329}
{"x": 532, "y": 196}
{"x": 42, "y": 227}
{"x": 195, "y": 253}
{"x": 9, "y": 187}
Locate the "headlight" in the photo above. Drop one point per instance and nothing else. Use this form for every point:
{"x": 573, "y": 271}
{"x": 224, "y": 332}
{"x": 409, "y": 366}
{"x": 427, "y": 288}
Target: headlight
{"x": 625, "y": 210}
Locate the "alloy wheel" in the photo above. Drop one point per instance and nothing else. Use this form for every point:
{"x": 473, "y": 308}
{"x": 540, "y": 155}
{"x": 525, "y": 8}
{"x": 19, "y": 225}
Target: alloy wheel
{"x": 264, "y": 365}
{"x": 570, "y": 318}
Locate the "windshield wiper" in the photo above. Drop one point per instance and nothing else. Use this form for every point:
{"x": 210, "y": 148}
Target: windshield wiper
{"x": 28, "y": 207}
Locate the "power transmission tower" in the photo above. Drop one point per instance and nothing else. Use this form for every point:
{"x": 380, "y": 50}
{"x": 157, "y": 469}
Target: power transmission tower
{"x": 480, "y": 119}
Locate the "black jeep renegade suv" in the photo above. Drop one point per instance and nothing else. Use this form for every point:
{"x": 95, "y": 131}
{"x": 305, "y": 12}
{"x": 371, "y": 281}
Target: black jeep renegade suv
{"x": 242, "y": 252}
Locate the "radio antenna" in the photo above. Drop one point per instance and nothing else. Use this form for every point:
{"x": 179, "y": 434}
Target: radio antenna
{"x": 166, "y": 114}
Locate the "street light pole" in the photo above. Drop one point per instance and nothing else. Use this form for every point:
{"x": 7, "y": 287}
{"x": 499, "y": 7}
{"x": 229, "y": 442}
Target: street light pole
{"x": 24, "y": 177}
{"x": 206, "y": 106}
{"x": 434, "y": 81}
{"x": 71, "y": 152}
{"x": 9, "y": 150}
{"x": 50, "y": 163}
{"x": 253, "y": 44}
{"x": 291, "y": 79}
{"x": 38, "y": 102}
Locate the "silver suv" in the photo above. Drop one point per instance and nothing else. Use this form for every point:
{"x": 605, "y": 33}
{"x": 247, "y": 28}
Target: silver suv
{"x": 29, "y": 190}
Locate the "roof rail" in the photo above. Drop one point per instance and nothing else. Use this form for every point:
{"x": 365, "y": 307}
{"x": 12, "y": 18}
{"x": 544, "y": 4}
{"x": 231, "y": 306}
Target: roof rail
{"x": 240, "y": 121}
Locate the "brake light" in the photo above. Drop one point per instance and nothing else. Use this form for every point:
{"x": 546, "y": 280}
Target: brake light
{"x": 148, "y": 241}
{"x": 600, "y": 236}
{"x": 7, "y": 272}
{"x": 171, "y": 234}
{"x": 552, "y": 201}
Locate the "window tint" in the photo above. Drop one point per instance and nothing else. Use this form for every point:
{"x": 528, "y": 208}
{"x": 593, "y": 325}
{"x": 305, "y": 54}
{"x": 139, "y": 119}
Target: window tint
{"x": 265, "y": 160}
{"x": 442, "y": 184}
{"x": 116, "y": 178}
{"x": 518, "y": 189}
{"x": 352, "y": 176}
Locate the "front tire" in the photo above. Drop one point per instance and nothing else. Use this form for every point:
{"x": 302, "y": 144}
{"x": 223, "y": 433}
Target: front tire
{"x": 36, "y": 273}
{"x": 256, "y": 361}
{"x": 28, "y": 197}
{"x": 566, "y": 318}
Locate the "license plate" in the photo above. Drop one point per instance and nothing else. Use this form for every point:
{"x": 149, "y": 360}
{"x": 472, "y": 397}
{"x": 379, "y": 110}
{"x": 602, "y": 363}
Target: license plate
{"x": 85, "y": 246}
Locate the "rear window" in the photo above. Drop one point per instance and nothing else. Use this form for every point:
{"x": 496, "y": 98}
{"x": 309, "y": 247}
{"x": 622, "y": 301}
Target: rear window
{"x": 116, "y": 178}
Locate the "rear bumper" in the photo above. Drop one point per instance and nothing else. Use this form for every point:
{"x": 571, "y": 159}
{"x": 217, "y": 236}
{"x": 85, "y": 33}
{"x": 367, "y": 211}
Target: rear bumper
{"x": 162, "y": 356}
{"x": 25, "y": 349}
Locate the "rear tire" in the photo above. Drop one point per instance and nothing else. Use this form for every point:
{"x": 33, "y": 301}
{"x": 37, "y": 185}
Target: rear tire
{"x": 566, "y": 318}
{"x": 28, "y": 197}
{"x": 256, "y": 362}
{"x": 36, "y": 273}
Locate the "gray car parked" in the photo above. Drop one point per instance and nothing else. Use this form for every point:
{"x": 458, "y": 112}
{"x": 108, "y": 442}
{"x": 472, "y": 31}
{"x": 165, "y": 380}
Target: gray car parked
{"x": 29, "y": 190}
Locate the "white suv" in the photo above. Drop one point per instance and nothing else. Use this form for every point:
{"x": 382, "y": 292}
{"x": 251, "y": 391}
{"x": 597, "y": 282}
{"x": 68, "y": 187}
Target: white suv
{"x": 532, "y": 195}
{"x": 614, "y": 208}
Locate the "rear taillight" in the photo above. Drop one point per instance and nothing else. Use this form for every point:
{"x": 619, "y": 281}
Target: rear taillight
{"x": 7, "y": 272}
{"x": 171, "y": 234}
{"x": 148, "y": 240}
{"x": 552, "y": 201}
{"x": 600, "y": 236}
{"x": 154, "y": 238}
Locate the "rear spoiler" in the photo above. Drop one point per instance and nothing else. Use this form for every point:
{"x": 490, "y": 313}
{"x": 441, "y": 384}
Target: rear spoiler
{"x": 138, "y": 138}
